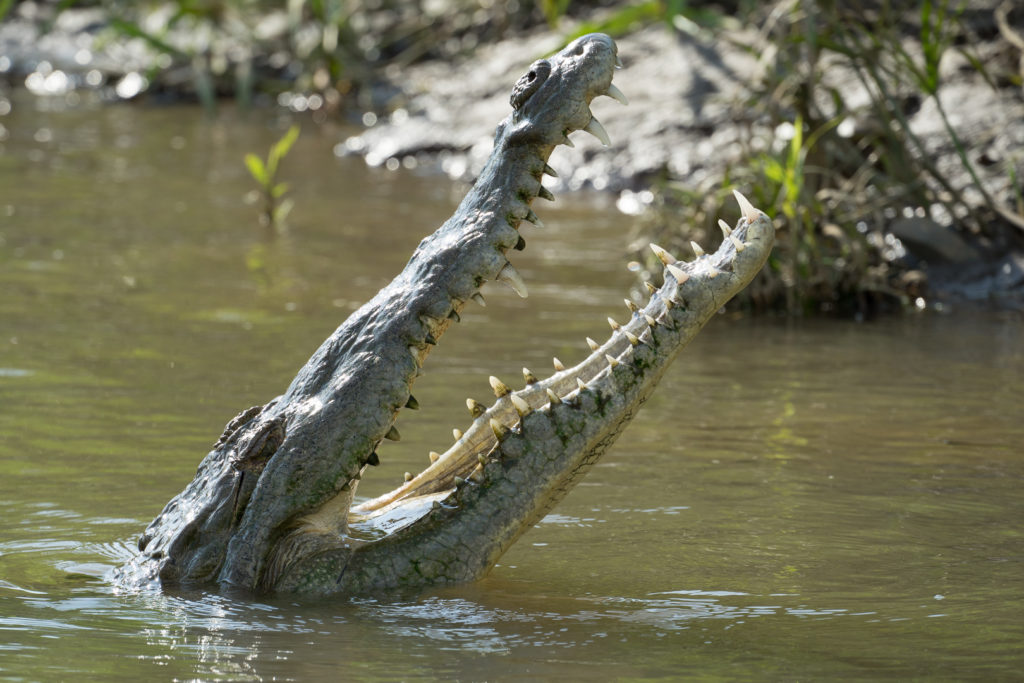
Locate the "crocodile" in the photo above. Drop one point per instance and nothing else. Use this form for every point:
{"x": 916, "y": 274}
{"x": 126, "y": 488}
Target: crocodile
{"x": 272, "y": 507}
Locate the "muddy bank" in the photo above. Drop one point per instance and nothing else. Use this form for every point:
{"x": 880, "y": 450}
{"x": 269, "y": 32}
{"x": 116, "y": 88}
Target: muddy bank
{"x": 693, "y": 117}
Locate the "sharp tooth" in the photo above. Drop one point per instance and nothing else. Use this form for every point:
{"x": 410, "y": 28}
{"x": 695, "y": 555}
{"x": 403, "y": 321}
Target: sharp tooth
{"x": 618, "y": 62}
{"x": 696, "y": 248}
{"x": 500, "y": 389}
{"x": 678, "y": 274}
{"x": 457, "y": 433}
{"x": 430, "y": 339}
{"x": 746, "y": 208}
{"x": 479, "y": 298}
{"x": 528, "y": 376}
{"x": 592, "y": 344}
{"x": 393, "y": 434}
{"x": 597, "y": 130}
{"x": 633, "y": 339}
{"x": 545, "y": 193}
{"x": 477, "y": 474}
{"x": 650, "y": 320}
{"x": 500, "y": 430}
{"x": 612, "y": 360}
{"x": 408, "y": 476}
{"x": 454, "y": 315}
{"x": 476, "y": 409}
{"x": 616, "y": 94}
{"x": 726, "y": 230}
{"x": 481, "y": 458}
{"x": 614, "y": 325}
{"x": 553, "y": 397}
{"x": 663, "y": 256}
{"x": 459, "y": 481}
{"x": 520, "y": 244}
{"x": 631, "y": 306}
{"x": 550, "y": 171}
{"x": 373, "y": 460}
{"x": 532, "y": 217}
{"x": 567, "y": 142}
{"x": 736, "y": 243}
{"x": 513, "y": 279}
{"x": 558, "y": 365}
{"x": 412, "y": 403}
{"x": 433, "y": 455}
{"x": 414, "y": 351}
{"x": 651, "y": 289}
{"x": 581, "y": 384}
{"x": 522, "y": 407}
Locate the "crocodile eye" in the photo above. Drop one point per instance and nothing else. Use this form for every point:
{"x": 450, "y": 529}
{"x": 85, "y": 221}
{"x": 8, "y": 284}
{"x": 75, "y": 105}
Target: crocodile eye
{"x": 528, "y": 84}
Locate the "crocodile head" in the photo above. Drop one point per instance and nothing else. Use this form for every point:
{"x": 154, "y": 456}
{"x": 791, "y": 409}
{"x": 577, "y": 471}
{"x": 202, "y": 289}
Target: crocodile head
{"x": 272, "y": 505}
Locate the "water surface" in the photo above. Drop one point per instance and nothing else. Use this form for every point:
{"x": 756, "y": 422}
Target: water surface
{"x": 798, "y": 500}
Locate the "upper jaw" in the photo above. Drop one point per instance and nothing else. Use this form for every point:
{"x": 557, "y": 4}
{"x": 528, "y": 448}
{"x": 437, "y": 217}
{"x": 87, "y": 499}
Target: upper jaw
{"x": 412, "y": 313}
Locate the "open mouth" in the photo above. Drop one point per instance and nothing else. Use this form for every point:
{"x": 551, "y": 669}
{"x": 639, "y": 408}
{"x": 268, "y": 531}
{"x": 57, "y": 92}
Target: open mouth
{"x": 636, "y": 341}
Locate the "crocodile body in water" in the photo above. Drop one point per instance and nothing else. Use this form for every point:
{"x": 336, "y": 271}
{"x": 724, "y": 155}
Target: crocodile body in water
{"x": 271, "y": 507}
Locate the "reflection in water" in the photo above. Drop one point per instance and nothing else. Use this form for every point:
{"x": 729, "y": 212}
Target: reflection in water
{"x": 798, "y": 500}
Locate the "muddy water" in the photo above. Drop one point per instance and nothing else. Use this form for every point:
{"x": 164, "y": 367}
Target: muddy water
{"x": 798, "y": 500}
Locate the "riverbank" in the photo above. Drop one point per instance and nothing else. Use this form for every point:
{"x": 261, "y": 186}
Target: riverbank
{"x": 886, "y": 194}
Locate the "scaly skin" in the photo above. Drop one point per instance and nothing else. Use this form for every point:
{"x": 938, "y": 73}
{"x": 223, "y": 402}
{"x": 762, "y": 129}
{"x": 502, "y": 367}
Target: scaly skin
{"x": 270, "y": 508}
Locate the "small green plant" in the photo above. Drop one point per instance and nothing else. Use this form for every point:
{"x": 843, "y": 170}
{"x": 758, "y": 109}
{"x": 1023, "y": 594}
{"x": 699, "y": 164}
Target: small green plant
{"x": 276, "y": 206}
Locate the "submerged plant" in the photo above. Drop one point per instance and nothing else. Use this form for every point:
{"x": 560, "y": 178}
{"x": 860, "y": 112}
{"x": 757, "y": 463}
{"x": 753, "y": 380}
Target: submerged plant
{"x": 276, "y": 206}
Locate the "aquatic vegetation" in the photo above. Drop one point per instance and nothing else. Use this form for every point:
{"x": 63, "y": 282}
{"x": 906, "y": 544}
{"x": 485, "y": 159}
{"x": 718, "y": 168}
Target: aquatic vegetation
{"x": 275, "y": 206}
{"x": 831, "y": 154}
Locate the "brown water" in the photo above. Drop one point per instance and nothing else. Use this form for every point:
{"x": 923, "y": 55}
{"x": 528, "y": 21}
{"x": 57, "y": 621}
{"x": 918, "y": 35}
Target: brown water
{"x": 798, "y": 500}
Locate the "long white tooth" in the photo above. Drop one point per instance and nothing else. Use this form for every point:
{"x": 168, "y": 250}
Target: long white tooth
{"x": 651, "y": 289}
{"x": 500, "y": 430}
{"x": 476, "y": 409}
{"x": 592, "y": 344}
{"x": 614, "y": 325}
{"x": 726, "y": 230}
{"x": 612, "y": 360}
{"x": 553, "y": 397}
{"x": 650, "y": 320}
{"x": 522, "y": 407}
{"x": 581, "y": 384}
{"x": 550, "y": 171}
{"x": 457, "y": 433}
{"x": 558, "y": 365}
{"x": 678, "y": 273}
{"x": 663, "y": 255}
{"x": 433, "y": 455}
{"x": 532, "y": 217}
{"x": 736, "y": 243}
{"x": 479, "y": 298}
{"x": 616, "y": 94}
{"x": 528, "y": 376}
{"x": 513, "y": 279}
{"x": 633, "y": 339}
{"x": 567, "y": 142}
{"x": 633, "y": 308}
{"x": 697, "y": 249}
{"x": 597, "y": 130}
{"x": 408, "y": 476}
{"x": 746, "y": 208}
{"x": 500, "y": 388}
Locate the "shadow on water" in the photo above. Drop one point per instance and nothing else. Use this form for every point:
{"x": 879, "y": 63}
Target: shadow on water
{"x": 797, "y": 499}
